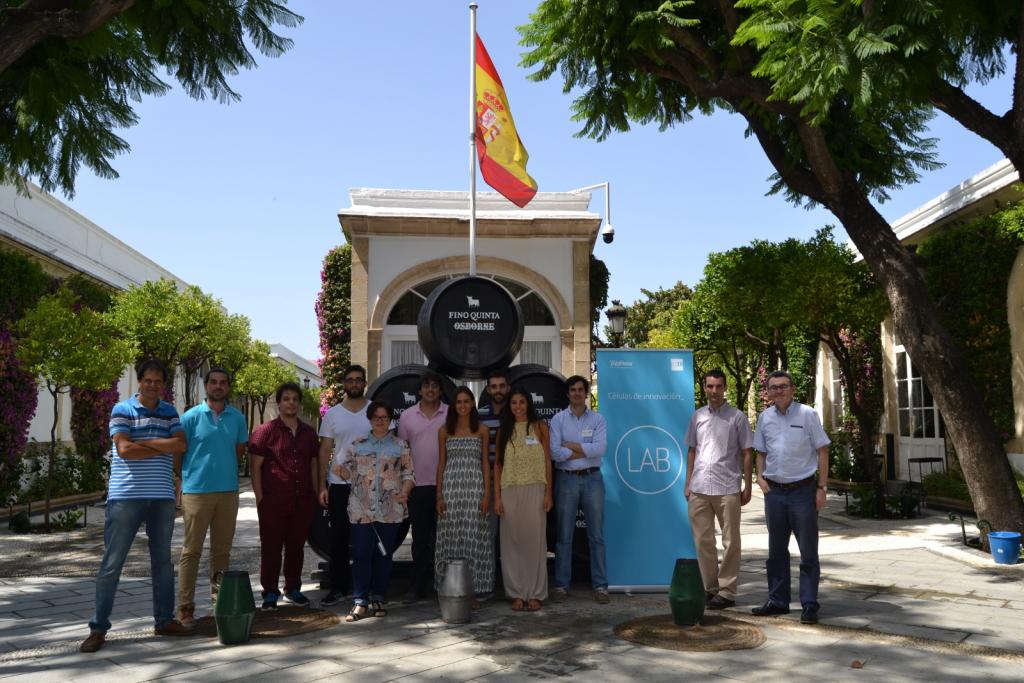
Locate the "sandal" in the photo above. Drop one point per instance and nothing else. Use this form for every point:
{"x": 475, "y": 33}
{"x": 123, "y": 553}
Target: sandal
{"x": 533, "y": 605}
{"x": 517, "y": 605}
{"x": 355, "y": 615}
{"x": 377, "y": 607}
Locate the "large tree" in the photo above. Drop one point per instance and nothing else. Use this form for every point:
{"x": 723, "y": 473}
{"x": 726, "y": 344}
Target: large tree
{"x": 258, "y": 379}
{"x": 649, "y": 317}
{"x": 653, "y": 61}
{"x": 71, "y": 69}
{"x": 68, "y": 345}
{"x": 213, "y": 334}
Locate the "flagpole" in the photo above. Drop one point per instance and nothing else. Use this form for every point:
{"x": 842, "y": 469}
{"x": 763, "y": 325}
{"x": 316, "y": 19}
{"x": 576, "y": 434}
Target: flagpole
{"x": 472, "y": 138}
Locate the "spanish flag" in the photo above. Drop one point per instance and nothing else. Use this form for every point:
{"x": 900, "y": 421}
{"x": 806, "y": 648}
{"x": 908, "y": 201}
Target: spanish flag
{"x": 502, "y": 155}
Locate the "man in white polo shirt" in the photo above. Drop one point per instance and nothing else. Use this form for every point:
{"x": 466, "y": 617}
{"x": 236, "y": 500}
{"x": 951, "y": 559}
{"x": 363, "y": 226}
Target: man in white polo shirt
{"x": 719, "y": 440}
{"x": 792, "y": 466}
{"x": 340, "y": 426}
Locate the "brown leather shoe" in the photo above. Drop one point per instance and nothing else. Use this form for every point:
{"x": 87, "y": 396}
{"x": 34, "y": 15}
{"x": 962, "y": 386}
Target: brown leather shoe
{"x": 94, "y": 642}
{"x": 174, "y": 628}
{"x": 187, "y": 616}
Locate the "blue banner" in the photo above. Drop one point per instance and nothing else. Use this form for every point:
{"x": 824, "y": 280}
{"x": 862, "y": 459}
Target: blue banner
{"x": 646, "y": 397}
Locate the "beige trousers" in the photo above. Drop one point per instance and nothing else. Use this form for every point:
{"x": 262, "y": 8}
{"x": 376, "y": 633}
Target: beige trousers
{"x": 217, "y": 513}
{"x": 704, "y": 510}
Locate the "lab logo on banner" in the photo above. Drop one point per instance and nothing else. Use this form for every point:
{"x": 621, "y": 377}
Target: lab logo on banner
{"x": 648, "y": 460}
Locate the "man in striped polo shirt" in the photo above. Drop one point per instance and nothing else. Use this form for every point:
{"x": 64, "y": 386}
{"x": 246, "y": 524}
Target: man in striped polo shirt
{"x": 147, "y": 435}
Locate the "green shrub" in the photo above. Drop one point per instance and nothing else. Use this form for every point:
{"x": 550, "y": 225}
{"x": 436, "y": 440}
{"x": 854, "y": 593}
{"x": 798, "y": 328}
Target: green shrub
{"x": 949, "y": 484}
{"x": 72, "y": 474}
{"x": 894, "y": 506}
{"x": 842, "y": 464}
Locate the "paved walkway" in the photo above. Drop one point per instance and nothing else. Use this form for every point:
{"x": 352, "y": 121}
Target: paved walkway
{"x": 905, "y": 599}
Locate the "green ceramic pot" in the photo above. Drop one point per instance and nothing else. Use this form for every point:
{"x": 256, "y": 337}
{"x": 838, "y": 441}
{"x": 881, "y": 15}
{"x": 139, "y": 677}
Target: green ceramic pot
{"x": 686, "y": 594}
{"x": 235, "y": 608}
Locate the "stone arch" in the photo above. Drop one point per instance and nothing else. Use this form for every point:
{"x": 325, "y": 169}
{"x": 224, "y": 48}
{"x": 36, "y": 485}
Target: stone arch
{"x": 491, "y": 265}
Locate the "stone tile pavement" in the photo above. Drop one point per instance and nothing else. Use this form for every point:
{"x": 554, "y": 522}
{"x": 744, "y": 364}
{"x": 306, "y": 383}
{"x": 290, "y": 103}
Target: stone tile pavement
{"x": 904, "y": 598}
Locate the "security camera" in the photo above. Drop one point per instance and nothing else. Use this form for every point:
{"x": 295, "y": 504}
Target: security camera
{"x": 608, "y": 233}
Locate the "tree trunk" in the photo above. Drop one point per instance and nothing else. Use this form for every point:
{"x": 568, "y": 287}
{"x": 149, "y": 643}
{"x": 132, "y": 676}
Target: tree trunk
{"x": 53, "y": 455}
{"x": 190, "y": 388}
{"x": 866, "y": 425}
{"x": 986, "y": 468}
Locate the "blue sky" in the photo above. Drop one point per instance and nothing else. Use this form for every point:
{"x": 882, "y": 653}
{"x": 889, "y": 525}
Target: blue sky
{"x": 242, "y": 200}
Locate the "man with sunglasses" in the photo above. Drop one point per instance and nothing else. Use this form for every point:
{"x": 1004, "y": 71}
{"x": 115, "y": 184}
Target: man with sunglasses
{"x": 792, "y": 466}
{"x": 341, "y": 425}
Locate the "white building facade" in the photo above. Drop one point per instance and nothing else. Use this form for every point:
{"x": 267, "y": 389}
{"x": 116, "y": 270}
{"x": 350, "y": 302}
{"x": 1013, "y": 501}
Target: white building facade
{"x": 406, "y": 242}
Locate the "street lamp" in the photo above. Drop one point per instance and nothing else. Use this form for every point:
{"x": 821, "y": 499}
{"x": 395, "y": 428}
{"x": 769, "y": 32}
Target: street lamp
{"x": 607, "y": 232}
{"x": 616, "y": 315}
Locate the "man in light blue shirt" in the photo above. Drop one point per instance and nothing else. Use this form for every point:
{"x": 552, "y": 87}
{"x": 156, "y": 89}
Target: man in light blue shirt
{"x": 216, "y": 434}
{"x": 792, "y": 466}
{"x": 579, "y": 438}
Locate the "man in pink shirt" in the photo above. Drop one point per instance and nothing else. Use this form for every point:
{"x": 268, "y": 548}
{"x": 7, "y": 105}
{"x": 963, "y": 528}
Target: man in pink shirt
{"x": 719, "y": 440}
{"x": 418, "y": 426}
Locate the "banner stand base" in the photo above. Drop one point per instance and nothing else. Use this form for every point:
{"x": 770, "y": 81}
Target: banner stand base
{"x": 629, "y": 590}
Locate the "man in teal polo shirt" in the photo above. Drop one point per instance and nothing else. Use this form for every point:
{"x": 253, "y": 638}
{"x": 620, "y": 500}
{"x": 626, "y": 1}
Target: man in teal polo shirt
{"x": 216, "y": 435}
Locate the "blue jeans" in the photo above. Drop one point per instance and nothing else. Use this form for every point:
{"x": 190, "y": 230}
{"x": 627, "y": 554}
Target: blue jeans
{"x": 123, "y": 519}
{"x": 371, "y": 571}
{"x": 573, "y": 491}
{"x": 792, "y": 511}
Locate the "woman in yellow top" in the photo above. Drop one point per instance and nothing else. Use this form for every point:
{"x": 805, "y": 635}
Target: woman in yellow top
{"x": 522, "y": 497}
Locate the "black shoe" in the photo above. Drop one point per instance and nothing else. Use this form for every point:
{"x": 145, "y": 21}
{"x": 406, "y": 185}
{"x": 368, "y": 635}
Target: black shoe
{"x": 809, "y": 615}
{"x": 769, "y": 609}
{"x": 332, "y": 598}
{"x": 708, "y": 597}
{"x": 719, "y": 602}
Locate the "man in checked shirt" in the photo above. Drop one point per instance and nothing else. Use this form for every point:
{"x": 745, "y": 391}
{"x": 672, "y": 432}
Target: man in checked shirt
{"x": 285, "y": 480}
{"x": 719, "y": 441}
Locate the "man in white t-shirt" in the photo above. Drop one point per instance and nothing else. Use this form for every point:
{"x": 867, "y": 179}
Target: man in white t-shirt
{"x": 341, "y": 425}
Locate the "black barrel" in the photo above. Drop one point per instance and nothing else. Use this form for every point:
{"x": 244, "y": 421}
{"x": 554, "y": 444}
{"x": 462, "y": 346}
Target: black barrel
{"x": 469, "y": 326}
{"x": 546, "y": 387}
{"x": 400, "y": 387}
{"x": 319, "y": 538}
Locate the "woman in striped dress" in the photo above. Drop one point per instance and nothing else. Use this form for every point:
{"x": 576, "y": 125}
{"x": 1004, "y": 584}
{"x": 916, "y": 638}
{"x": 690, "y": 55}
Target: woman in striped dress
{"x": 464, "y": 495}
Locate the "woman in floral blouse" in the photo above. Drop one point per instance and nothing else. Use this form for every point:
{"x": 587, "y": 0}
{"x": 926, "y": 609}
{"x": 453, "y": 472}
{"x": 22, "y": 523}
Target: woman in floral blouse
{"x": 379, "y": 468}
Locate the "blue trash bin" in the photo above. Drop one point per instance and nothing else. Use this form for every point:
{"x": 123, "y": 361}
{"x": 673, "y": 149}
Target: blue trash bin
{"x": 1005, "y": 546}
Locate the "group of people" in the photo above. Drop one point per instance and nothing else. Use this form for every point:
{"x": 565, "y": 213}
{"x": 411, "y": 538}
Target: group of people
{"x": 792, "y": 466}
{"x": 446, "y": 473}
{"x": 156, "y": 456}
{"x": 470, "y": 484}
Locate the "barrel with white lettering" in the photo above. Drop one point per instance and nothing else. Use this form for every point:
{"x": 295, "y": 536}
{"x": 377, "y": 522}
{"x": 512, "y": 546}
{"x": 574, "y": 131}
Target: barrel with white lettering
{"x": 545, "y": 386}
{"x": 469, "y": 326}
{"x": 400, "y": 387}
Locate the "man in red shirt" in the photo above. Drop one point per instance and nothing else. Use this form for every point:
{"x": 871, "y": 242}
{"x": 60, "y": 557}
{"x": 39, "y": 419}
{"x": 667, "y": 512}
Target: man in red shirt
{"x": 285, "y": 479}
